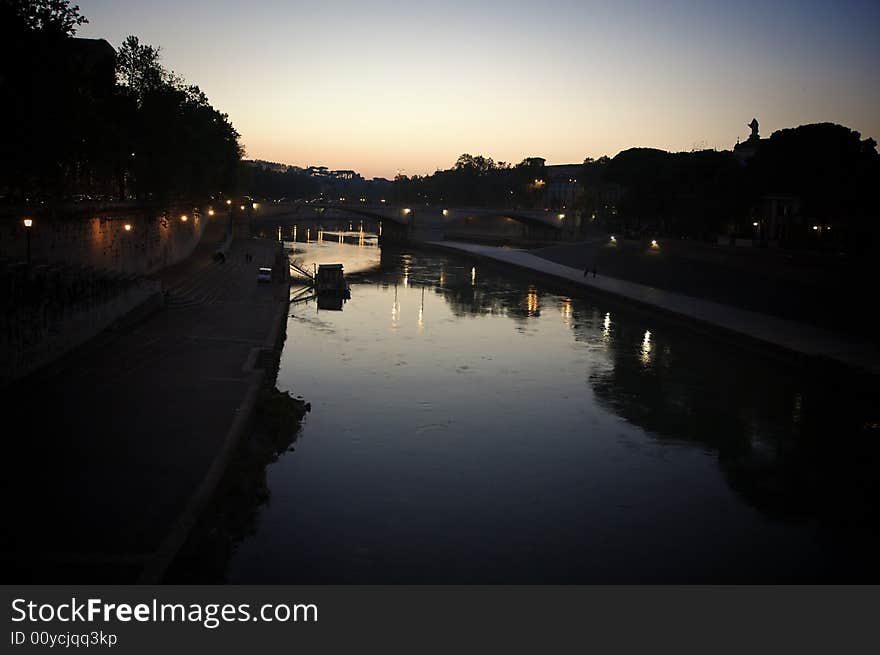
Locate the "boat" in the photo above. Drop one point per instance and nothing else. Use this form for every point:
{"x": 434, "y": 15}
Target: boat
{"x": 330, "y": 281}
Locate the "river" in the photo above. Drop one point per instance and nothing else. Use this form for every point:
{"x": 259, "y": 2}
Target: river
{"x": 475, "y": 425}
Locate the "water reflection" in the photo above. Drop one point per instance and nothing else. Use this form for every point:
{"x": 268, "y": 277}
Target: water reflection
{"x": 565, "y": 310}
{"x": 646, "y": 349}
{"x": 395, "y": 311}
{"x": 503, "y": 445}
{"x": 532, "y": 302}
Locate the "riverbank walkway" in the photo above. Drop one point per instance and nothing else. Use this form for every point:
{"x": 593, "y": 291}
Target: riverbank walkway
{"x": 805, "y": 340}
{"x": 117, "y": 444}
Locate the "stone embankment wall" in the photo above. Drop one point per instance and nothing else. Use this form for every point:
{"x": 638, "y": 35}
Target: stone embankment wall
{"x": 96, "y": 236}
{"x": 86, "y": 273}
{"x": 44, "y": 341}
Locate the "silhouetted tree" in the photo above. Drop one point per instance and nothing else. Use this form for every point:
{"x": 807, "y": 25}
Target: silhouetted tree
{"x": 138, "y": 70}
{"x": 85, "y": 120}
{"x": 49, "y": 17}
{"x": 830, "y": 167}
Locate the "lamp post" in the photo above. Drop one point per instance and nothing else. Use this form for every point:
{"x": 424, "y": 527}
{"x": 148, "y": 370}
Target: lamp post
{"x": 28, "y": 224}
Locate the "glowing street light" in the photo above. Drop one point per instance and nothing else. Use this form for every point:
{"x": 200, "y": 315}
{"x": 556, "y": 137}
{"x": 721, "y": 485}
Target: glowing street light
{"x": 755, "y": 223}
{"x": 406, "y": 211}
{"x": 228, "y": 202}
{"x": 241, "y": 207}
{"x": 184, "y": 218}
{"x": 561, "y": 216}
{"x": 28, "y": 222}
{"x": 127, "y": 227}
{"x": 613, "y": 239}
{"x": 446, "y": 212}
{"x": 210, "y": 212}
{"x": 654, "y": 243}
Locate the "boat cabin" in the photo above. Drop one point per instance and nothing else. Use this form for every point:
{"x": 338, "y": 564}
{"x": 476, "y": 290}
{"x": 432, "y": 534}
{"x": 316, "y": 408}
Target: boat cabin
{"x": 330, "y": 279}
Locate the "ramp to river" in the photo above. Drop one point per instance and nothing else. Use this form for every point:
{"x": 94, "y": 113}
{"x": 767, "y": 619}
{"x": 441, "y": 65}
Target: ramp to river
{"x": 114, "y": 440}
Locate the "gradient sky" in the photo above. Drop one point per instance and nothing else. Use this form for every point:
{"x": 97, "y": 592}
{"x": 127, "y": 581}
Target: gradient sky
{"x": 409, "y": 85}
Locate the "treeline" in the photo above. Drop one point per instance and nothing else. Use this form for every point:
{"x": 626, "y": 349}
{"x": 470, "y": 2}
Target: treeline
{"x": 85, "y": 122}
{"x": 304, "y": 184}
{"x": 477, "y": 180}
{"x": 695, "y": 194}
{"x": 827, "y": 171}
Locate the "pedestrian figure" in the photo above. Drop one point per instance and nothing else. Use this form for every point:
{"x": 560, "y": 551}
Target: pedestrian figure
{"x": 594, "y": 271}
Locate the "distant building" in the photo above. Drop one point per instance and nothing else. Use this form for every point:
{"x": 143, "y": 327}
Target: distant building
{"x": 267, "y": 165}
{"x": 94, "y": 60}
{"x": 749, "y": 148}
{"x": 775, "y": 217}
{"x": 779, "y": 218}
{"x": 344, "y": 175}
{"x": 563, "y": 187}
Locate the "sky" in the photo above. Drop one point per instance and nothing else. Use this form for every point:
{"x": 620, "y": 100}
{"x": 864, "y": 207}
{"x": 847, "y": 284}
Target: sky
{"x": 407, "y": 86}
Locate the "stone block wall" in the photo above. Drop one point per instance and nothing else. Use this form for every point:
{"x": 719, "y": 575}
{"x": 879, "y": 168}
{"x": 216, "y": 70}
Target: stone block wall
{"x": 97, "y": 236}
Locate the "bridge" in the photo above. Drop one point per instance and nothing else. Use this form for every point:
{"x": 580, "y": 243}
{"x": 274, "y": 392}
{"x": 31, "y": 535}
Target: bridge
{"x": 421, "y": 222}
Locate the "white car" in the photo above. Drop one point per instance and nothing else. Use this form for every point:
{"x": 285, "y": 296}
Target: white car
{"x": 264, "y": 274}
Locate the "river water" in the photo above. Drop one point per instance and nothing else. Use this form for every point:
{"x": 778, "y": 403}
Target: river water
{"x": 476, "y": 425}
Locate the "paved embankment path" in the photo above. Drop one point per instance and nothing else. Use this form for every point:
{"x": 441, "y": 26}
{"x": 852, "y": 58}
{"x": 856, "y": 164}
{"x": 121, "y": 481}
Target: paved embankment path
{"x": 792, "y": 336}
{"x": 115, "y": 441}
{"x": 824, "y": 289}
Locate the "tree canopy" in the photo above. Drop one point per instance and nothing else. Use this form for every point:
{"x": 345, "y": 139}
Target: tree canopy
{"x": 85, "y": 121}
{"x": 54, "y": 17}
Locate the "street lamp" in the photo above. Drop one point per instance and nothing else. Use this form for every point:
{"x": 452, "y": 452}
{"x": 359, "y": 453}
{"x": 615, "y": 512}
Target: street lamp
{"x": 28, "y": 224}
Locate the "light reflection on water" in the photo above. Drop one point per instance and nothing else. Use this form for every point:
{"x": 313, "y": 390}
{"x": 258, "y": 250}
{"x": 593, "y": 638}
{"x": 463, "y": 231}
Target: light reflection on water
{"x": 470, "y": 437}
